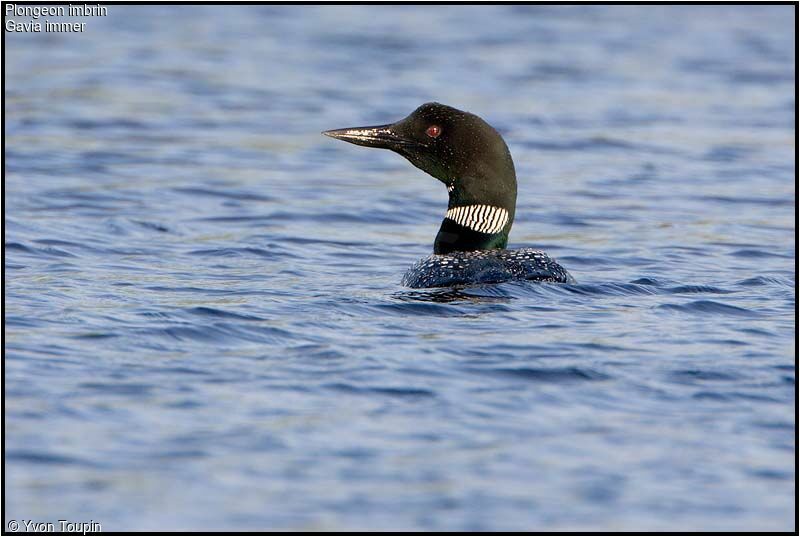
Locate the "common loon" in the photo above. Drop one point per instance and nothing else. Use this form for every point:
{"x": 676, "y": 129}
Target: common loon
{"x": 472, "y": 160}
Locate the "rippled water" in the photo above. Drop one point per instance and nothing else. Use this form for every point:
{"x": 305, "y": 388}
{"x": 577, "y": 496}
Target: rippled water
{"x": 204, "y": 324}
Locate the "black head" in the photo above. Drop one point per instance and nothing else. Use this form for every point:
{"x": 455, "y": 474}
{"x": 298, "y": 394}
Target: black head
{"x": 461, "y": 150}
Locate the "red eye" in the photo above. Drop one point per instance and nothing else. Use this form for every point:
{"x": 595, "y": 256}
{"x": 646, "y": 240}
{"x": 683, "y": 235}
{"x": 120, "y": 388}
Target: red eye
{"x": 434, "y": 131}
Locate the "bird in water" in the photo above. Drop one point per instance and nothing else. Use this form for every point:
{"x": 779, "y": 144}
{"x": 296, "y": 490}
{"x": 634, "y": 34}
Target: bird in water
{"x": 471, "y": 158}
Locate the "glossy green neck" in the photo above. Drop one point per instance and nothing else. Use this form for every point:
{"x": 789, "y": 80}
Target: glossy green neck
{"x": 479, "y": 216}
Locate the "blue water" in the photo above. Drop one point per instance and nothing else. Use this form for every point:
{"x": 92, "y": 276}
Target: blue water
{"x": 205, "y": 328}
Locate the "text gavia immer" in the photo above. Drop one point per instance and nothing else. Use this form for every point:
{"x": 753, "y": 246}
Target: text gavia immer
{"x": 472, "y": 160}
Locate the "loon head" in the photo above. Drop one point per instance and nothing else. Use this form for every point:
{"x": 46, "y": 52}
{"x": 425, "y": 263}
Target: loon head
{"x": 468, "y": 156}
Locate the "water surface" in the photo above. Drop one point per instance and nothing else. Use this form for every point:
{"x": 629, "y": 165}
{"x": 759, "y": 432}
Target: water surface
{"x": 204, "y": 324}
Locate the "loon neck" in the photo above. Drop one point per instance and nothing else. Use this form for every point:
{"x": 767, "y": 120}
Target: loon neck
{"x": 475, "y": 222}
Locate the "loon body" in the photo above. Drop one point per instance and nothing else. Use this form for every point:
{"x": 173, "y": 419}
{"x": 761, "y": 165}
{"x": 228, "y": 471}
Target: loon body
{"x": 472, "y": 160}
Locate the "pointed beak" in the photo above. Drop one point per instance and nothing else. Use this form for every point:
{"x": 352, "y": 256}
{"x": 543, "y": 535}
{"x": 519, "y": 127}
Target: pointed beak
{"x": 382, "y": 136}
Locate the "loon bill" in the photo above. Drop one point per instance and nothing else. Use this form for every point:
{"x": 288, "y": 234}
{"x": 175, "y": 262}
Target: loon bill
{"x": 471, "y": 158}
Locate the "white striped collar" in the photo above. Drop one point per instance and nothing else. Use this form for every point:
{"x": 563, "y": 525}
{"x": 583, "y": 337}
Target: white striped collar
{"x": 481, "y": 218}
